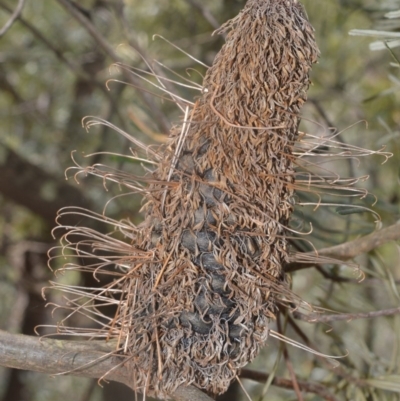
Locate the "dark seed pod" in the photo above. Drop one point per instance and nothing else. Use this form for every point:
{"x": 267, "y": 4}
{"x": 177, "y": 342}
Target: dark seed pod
{"x": 204, "y": 273}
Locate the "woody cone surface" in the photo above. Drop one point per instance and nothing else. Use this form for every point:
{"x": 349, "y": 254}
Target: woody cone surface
{"x": 204, "y": 272}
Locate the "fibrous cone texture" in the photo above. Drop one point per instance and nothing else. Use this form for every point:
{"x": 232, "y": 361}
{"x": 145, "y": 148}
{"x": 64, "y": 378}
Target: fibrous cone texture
{"x": 203, "y": 275}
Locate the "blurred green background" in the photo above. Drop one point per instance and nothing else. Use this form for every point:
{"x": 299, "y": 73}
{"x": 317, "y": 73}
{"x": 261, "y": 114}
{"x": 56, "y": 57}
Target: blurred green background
{"x": 53, "y": 73}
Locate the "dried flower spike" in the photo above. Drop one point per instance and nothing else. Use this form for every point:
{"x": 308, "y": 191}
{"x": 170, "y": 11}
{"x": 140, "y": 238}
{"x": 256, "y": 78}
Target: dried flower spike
{"x": 198, "y": 285}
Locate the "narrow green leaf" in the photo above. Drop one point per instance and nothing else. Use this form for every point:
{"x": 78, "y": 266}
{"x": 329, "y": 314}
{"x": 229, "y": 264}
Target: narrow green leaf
{"x": 393, "y": 14}
{"x": 374, "y": 33}
{"x": 388, "y": 383}
{"x": 380, "y": 45}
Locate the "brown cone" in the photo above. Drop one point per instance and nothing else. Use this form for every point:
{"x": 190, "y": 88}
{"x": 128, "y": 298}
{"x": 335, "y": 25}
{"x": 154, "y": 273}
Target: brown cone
{"x": 203, "y": 275}
{"x": 201, "y": 307}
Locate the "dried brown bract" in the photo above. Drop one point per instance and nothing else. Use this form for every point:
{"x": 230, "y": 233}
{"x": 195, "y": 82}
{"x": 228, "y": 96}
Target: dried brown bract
{"x": 203, "y": 275}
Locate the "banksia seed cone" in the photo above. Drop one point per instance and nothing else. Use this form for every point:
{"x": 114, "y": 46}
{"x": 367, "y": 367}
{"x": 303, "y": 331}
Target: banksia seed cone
{"x": 204, "y": 273}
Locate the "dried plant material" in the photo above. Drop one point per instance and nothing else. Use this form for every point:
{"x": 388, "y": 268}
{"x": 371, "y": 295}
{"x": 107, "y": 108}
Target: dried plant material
{"x": 196, "y": 284}
{"x": 217, "y": 228}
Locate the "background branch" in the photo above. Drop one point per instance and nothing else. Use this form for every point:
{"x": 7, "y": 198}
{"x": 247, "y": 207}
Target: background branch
{"x": 350, "y": 249}
{"x": 94, "y": 359}
{"x": 316, "y": 318}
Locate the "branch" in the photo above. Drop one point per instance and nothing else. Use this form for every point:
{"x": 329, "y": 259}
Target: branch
{"x": 316, "y": 318}
{"x": 190, "y": 393}
{"x": 93, "y": 359}
{"x": 13, "y": 17}
{"x": 308, "y": 387}
{"x": 351, "y": 249}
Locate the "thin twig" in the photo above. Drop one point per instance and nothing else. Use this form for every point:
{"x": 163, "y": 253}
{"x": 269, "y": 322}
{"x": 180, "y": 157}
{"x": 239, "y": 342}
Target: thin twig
{"x": 206, "y": 13}
{"x": 338, "y": 279}
{"x": 109, "y": 51}
{"x": 308, "y": 387}
{"x": 351, "y": 249}
{"x": 316, "y": 318}
{"x": 13, "y": 17}
{"x": 336, "y": 369}
{"x": 79, "y": 72}
{"x": 289, "y": 365}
